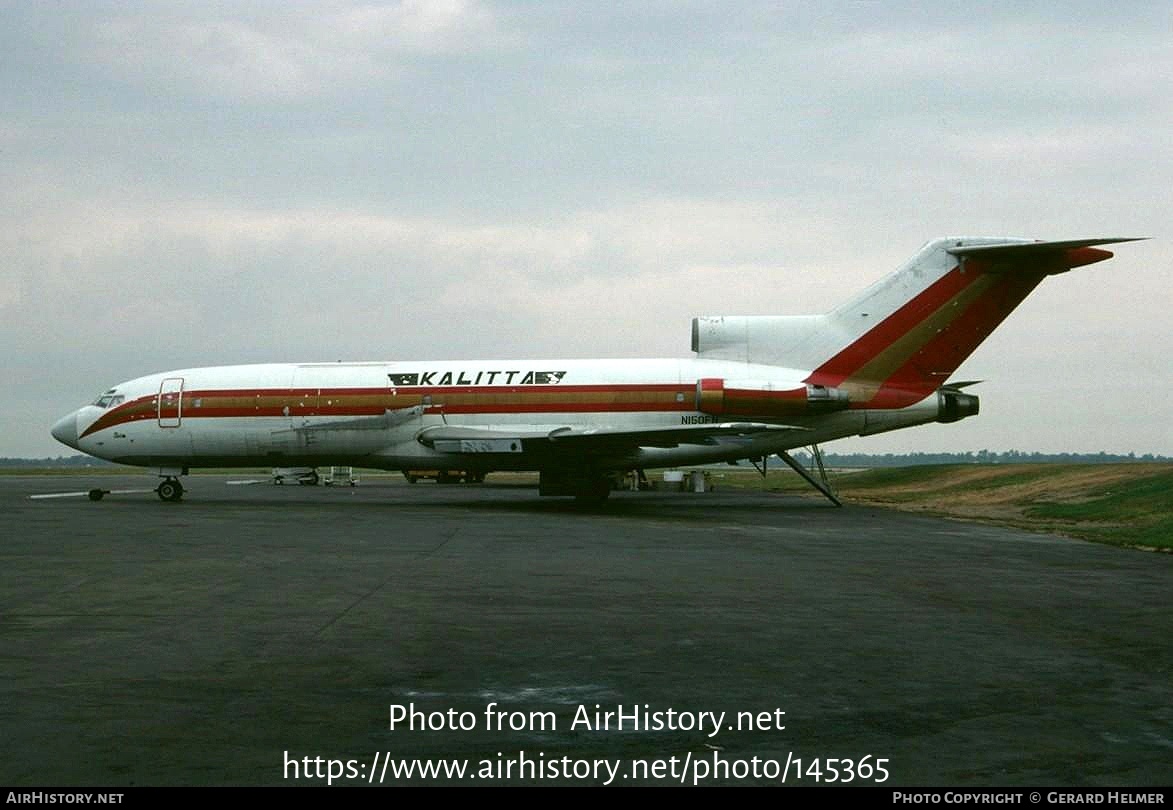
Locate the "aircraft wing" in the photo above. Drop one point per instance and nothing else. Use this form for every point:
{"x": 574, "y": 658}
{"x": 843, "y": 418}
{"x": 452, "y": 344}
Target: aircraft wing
{"x": 387, "y": 419}
{"x": 672, "y": 436}
{"x": 454, "y": 439}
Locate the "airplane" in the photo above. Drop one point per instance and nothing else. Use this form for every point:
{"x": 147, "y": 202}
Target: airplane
{"x": 756, "y": 386}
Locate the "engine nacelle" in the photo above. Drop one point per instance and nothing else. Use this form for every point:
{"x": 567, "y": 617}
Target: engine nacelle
{"x": 954, "y": 406}
{"x": 765, "y": 400}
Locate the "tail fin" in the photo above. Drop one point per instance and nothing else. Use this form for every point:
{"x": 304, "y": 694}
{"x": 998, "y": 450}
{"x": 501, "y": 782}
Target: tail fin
{"x": 900, "y": 340}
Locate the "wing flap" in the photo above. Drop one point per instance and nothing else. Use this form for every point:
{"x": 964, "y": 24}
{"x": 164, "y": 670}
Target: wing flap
{"x": 456, "y": 439}
{"x": 670, "y": 436}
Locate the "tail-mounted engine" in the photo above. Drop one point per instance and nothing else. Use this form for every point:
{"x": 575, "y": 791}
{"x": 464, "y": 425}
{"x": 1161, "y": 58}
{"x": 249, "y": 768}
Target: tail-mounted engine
{"x": 764, "y": 400}
{"x": 953, "y": 405}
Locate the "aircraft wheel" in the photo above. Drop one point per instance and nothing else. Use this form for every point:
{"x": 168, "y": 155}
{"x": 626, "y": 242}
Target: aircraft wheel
{"x": 310, "y": 480}
{"x": 170, "y": 491}
{"x": 96, "y": 494}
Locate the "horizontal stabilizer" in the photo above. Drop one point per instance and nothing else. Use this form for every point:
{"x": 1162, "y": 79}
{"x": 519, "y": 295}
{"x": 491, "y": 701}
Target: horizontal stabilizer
{"x": 1034, "y": 248}
{"x": 1055, "y": 257}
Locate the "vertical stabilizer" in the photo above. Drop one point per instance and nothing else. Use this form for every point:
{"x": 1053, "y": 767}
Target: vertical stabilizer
{"x": 900, "y": 339}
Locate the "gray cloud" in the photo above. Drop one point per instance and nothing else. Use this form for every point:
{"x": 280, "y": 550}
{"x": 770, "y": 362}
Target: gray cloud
{"x": 217, "y": 183}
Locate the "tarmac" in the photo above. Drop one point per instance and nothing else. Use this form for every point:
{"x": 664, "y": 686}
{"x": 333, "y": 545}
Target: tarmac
{"x": 218, "y": 640}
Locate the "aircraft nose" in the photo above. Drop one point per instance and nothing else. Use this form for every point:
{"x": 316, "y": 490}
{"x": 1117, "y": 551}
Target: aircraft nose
{"x": 65, "y": 430}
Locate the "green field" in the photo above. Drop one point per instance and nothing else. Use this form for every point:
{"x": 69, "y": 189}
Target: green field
{"x": 1121, "y": 504}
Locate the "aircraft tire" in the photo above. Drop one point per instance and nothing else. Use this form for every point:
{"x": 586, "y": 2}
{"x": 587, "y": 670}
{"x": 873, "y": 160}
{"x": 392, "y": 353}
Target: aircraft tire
{"x": 171, "y": 491}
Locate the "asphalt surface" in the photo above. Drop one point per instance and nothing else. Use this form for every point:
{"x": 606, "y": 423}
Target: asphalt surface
{"x": 216, "y": 640}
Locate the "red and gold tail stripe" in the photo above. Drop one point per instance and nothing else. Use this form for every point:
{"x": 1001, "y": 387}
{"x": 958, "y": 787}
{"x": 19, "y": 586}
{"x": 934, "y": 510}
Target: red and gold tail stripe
{"x": 912, "y": 352}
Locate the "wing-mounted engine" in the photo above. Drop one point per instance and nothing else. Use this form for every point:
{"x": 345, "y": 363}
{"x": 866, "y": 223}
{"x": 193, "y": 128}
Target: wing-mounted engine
{"x": 765, "y": 400}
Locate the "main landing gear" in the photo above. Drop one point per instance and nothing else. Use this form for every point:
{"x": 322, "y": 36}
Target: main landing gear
{"x": 170, "y": 490}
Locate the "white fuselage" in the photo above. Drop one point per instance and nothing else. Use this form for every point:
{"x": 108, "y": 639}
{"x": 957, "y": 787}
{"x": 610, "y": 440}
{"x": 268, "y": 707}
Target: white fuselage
{"x": 373, "y": 414}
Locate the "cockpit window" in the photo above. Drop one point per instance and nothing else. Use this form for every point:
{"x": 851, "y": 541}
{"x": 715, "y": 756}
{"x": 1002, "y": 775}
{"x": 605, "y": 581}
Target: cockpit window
{"x": 109, "y": 400}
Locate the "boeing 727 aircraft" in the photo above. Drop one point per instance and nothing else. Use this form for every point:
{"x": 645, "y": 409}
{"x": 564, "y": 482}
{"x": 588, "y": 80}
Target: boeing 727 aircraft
{"x": 758, "y": 385}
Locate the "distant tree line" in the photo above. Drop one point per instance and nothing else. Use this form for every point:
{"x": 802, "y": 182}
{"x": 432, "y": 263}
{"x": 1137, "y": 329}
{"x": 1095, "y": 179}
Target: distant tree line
{"x": 980, "y": 457}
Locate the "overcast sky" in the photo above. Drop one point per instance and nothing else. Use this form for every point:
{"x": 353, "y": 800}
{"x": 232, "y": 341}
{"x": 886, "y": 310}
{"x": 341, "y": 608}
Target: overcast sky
{"x": 214, "y": 183}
